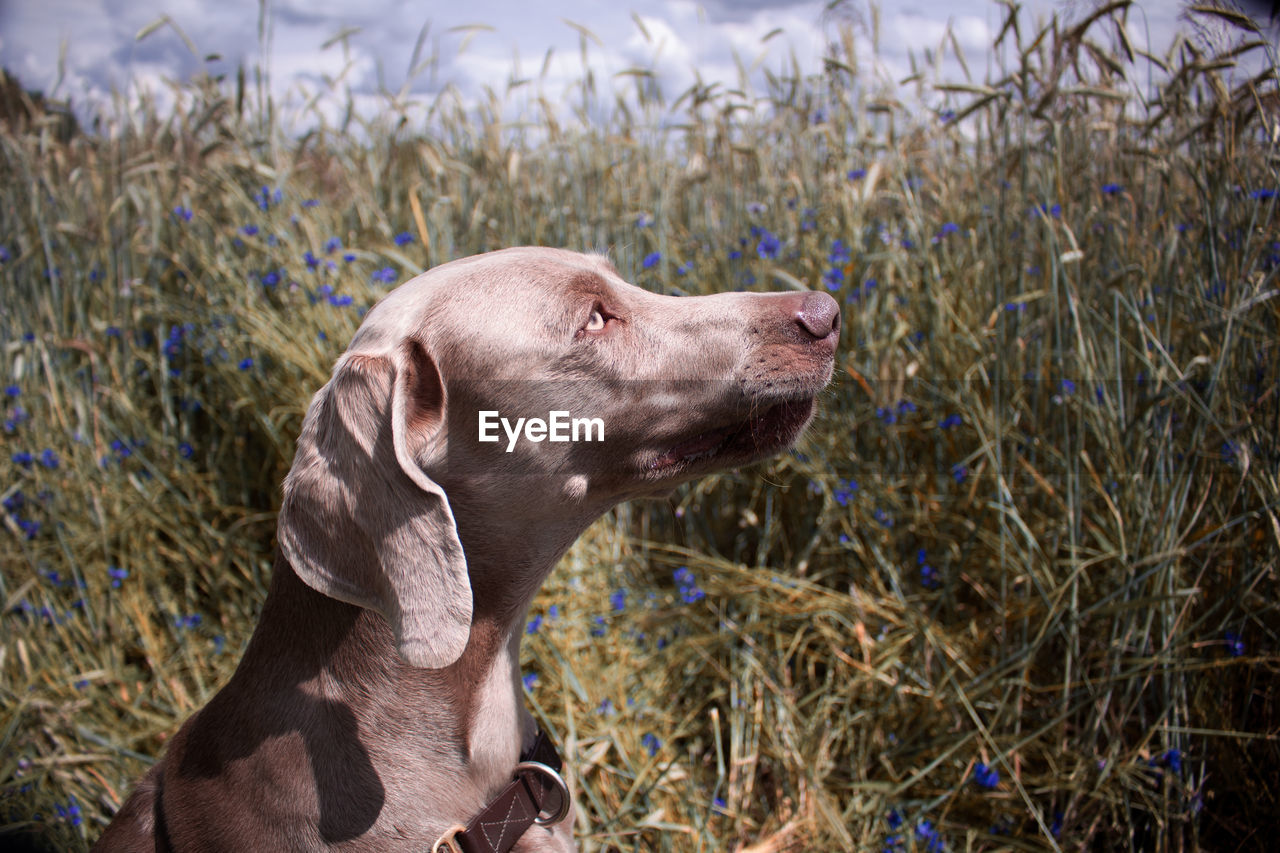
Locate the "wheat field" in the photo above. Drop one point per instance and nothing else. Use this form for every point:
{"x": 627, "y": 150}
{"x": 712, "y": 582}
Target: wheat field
{"x": 1016, "y": 589}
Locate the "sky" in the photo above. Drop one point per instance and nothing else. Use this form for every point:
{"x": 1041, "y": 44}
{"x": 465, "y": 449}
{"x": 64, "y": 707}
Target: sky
{"x": 86, "y": 49}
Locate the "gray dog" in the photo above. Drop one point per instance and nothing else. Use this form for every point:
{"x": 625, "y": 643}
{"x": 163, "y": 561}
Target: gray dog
{"x": 437, "y": 482}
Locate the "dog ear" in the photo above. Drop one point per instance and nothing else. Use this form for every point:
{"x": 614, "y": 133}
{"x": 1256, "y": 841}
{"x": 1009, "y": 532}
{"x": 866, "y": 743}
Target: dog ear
{"x": 361, "y": 521}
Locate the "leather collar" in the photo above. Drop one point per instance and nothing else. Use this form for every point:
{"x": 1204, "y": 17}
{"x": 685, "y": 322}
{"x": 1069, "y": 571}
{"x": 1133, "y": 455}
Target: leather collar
{"x": 536, "y": 794}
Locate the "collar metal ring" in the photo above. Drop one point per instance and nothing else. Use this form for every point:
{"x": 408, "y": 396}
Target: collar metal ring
{"x": 557, "y": 782}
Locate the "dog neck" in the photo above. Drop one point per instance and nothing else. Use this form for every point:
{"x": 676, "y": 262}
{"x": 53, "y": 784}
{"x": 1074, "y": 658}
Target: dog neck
{"x": 468, "y": 716}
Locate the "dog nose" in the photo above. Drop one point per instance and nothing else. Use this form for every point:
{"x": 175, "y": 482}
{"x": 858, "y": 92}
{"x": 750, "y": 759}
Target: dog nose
{"x": 819, "y": 315}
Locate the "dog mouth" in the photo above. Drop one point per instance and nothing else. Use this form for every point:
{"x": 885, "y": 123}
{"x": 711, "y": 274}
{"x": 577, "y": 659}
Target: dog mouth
{"x": 760, "y": 435}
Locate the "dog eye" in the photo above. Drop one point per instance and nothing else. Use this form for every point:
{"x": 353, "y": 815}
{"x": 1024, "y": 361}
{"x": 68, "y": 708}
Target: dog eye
{"x": 595, "y": 323}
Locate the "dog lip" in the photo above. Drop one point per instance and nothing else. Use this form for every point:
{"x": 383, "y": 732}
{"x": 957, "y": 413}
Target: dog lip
{"x": 760, "y": 435}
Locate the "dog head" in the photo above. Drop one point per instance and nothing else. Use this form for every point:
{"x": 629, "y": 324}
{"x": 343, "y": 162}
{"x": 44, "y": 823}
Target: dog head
{"x": 460, "y": 385}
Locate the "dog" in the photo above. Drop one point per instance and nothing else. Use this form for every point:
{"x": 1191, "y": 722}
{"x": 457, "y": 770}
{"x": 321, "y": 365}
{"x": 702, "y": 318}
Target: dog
{"x": 378, "y": 703}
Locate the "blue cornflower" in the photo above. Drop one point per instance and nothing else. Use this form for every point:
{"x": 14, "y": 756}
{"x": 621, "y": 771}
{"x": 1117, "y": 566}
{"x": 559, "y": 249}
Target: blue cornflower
{"x": 839, "y": 254}
{"x": 246, "y": 363}
{"x": 12, "y": 390}
{"x": 1053, "y": 210}
{"x": 651, "y": 260}
{"x": 1262, "y": 194}
{"x": 311, "y": 202}
{"x": 5, "y": 255}
{"x": 249, "y": 230}
{"x": 348, "y": 257}
{"x": 187, "y": 622}
{"x": 928, "y": 574}
{"x": 618, "y": 599}
{"x": 948, "y": 228}
{"x": 1068, "y": 386}
{"x": 22, "y": 458}
{"x": 49, "y": 459}
{"x": 605, "y": 707}
{"x": 386, "y": 275}
{"x": 117, "y": 575}
{"x": 644, "y": 220}
{"x": 691, "y": 594}
{"x": 688, "y": 585}
{"x": 756, "y": 208}
{"x": 651, "y": 743}
{"x": 534, "y": 624}
{"x": 530, "y": 679}
{"x": 598, "y": 626}
{"x": 340, "y": 301}
{"x": 1112, "y": 189}
{"x": 332, "y": 245}
{"x": 959, "y": 473}
{"x": 185, "y": 450}
{"x": 71, "y": 811}
{"x": 1173, "y": 760}
{"x": 310, "y": 259}
{"x": 183, "y": 213}
{"x": 883, "y": 517}
{"x": 856, "y": 174}
{"x": 950, "y": 421}
{"x": 271, "y": 279}
{"x": 986, "y": 776}
{"x": 833, "y": 278}
{"x": 933, "y": 840}
{"x": 768, "y": 246}
{"x": 1235, "y": 644}
{"x": 844, "y": 491}
{"x": 404, "y": 238}
{"x": 265, "y": 197}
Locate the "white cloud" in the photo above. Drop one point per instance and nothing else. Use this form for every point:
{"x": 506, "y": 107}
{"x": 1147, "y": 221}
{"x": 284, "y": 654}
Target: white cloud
{"x": 686, "y": 40}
